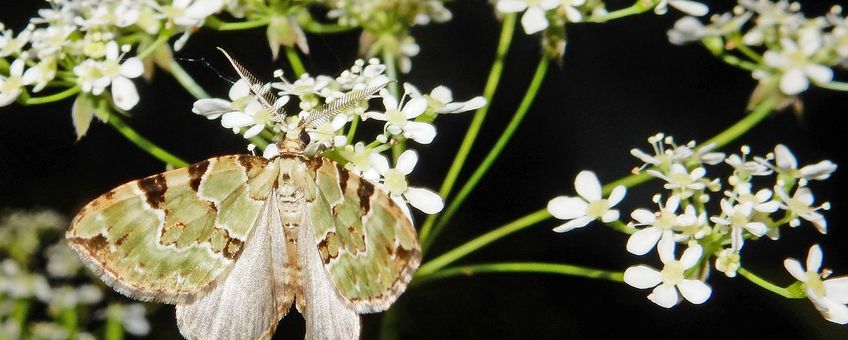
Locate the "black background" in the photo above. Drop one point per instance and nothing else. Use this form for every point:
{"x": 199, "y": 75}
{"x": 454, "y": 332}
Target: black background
{"x": 619, "y": 83}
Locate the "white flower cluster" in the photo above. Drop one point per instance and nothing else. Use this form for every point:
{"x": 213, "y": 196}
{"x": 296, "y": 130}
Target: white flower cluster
{"x": 19, "y": 281}
{"x": 406, "y": 118}
{"x": 783, "y": 45}
{"x": 386, "y": 24}
{"x": 695, "y": 211}
{"x": 541, "y": 14}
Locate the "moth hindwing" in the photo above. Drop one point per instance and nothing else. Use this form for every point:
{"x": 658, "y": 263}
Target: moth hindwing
{"x": 234, "y": 241}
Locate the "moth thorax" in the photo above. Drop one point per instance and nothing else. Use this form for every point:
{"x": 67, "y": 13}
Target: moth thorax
{"x": 294, "y": 142}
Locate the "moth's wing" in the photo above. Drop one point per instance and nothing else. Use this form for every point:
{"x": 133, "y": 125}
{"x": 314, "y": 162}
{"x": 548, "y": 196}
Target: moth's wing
{"x": 366, "y": 242}
{"x": 328, "y": 316}
{"x": 253, "y": 297}
{"x": 167, "y": 237}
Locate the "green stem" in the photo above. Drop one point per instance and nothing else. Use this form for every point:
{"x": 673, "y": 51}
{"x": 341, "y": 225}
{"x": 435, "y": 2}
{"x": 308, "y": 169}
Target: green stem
{"x": 53, "y": 97}
{"x": 312, "y": 26}
{"x": 184, "y": 79}
{"x": 20, "y": 312}
{"x": 114, "y": 329}
{"x": 784, "y": 292}
{"x": 391, "y": 71}
{"x": 354, "y": 124}
{"x": 483, "y": 240}
{"x": 219, "y": 25}
{"x": 520, "y": 267}
{"x": 641, "y": 6}
{"x": 163, "y": 37}
{"x": 752, "y": 119}
{"x": 520, "y": 113}
{"x": 294, "y": 61}
{"x": 507, "y": 29}
{"x": 118, "y": 123}
{"x": 834, "y": 85}
{"x": 738, "y": 62}
{"x": 621, "y": 227}
{"x": 70, "y": 320}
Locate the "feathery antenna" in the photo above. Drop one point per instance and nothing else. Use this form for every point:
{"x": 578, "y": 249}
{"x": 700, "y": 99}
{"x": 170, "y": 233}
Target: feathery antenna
{"x": 329, "y": 110}
{"x": 261, "y": 90}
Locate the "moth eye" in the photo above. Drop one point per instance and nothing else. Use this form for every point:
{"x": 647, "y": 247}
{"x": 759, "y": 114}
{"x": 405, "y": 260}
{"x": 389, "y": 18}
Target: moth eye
{"x": 304, "y": 138}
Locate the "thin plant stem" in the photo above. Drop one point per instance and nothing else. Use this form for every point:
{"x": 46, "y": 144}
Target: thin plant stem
{"x": 294, "y": 61}
{"x": 738, "y": 62}
{"x": 20, "y": 312}
{"x": 163, "y": 37}
{"x": 639, "y": 7}
{"x": 70, "y": 320}
{"x": 354, "y": 124}
{"x": 520, "y": 267}
{"x": 119, "y": 124}
{"x": 752, "y": 119}
{"x": 391, "y": 71}
{"x": 219, "y": 25}
{"x": 483, "y": 240}
{"x": 114, "y": 329}
{"x": 53, "y": 97}
{"x": 486, "y": 164}
{"x": 507, "y": 29}
{"x": 834, "y": 85}
{"x": 723, "y": 138}
{"x": 784, "y": 292}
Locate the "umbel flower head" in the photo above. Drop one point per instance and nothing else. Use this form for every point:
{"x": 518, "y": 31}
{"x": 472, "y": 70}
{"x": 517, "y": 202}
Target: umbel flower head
{"x": 589, "y": 206}
{"x": 672, "y": 279}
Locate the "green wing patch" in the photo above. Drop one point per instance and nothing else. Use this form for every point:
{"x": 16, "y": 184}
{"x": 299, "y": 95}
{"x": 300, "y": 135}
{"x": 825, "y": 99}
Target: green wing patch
{"x": 368, "y": 245}
{"x": 168, "y": 236}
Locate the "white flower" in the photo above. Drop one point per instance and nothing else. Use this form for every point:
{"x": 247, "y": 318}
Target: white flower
{"x": 589, "y": 206}
{"x": 131, "y": 317}
{"x": 440, "y": 100}
{"x": 689, "y": 7}
{"x": 661, "y": 224}
{"x": 94, "y": 76}
{"x": 761, "y": 201}
{"x": 327, "y": 133}
{"x": 743, "y": 169}
{"x": 830, "y": 296}
{"x": 359, "y": 160}
{"x": 533, "y": 20}
{"x": 11, "y": 86}
{"x": 678, "y": 178}
{"x": 62, "y": 261}
{"x": 40, "y": 74}
{"x": 738, "y": 217}
{"x": 394, "y": 181}
{"x": 214, "y": 108}
{"x": 10, "y": 44}
{"x": 399, "y": 114}
{"x": 18, "y": 284}
{"x": 191, "y": 13}
{"x": 801, "y": 205}
{"x": 671, "y": 279}
{"x": 795, "y": 63}
{"x": 254, "y": 117}
{"x": 787, "y": 164}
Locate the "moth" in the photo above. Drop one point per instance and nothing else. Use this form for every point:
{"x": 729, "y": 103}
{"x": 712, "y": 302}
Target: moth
{"x": 235, "y": 241}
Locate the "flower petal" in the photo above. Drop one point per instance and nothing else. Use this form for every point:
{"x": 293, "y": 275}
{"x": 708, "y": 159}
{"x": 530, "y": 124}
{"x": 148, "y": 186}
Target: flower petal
{"x": 665, "y": 248}
{"x": 819, "y": 73}
{"x": 124, "y": 93}
{"x": 588, "y": 186}
{"x": 415, "y": 107}
{"x": 642, "y": 241}
{"x": 664, "y": 295}
{"x": 379, "y": 162}
{"x": 211, "y": 108}
{"x": 132, "y": 68}
{"x": 534, "y": 20}
{"x": 793, "y": 82}
{"x": 425, "y": 200}
{"x": 236, "y": 119}
{"x": 643, "y": 216}
{"x": 784, "y": 158}
{"x": 837, "y": 289}
{"x": 406, "y": 162}
{"x": 579, "y": 222}
{"x": 694, "y": 291}
{"x": 566, "y": 208}
{"x": 420, "y": 132}
{"x": 442, "y": 94}
{"x": 691, "y": 256}
{"x": 642, "y": 277}
{"x": 616, "y": 195}
{"x": 511, "y": 6}
{"x": 794, "y": 268}
{"x": 814, "y": 258}
{"x": 690, "y": 7}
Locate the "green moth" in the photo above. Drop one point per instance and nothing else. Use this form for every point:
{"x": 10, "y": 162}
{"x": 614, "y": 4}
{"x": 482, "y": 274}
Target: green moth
{"x": 235, "y": 241}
